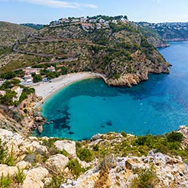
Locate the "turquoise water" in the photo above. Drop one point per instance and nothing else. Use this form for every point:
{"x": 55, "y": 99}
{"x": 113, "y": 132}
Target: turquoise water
{"x": 156, "y": 106}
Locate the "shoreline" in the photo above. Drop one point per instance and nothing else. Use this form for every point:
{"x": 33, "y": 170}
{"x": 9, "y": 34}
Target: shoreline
{"x": 47, "y": 89}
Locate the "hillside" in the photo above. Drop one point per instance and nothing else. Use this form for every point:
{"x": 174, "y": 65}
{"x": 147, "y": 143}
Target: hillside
{"x": 10, "y": 33}
{"x": 177, "y": 31}
{"x": 114, "y": 160}
{"x": 111, "y": 46}
{"x": 34, "y": 26}
{"x": 152, "y": 36}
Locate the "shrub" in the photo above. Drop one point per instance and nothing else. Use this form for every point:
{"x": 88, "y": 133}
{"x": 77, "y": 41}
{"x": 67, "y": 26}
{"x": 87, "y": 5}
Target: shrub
{"x": 96, "y": 147}
{"x": 20, "y": 176}
{"x": 84, "y": 154}
{"x": 10, "y": 160}
{"x": 75, "y": 167}
{"x": 146, "y": 179}
{"x": 56, "y": 181}
{"x": 3, "y": 152}
{"x": 175, "y": 137}
{"x": 123, "y": 134}
{"x": 5, "y": 181}
{"x": 37, "y": 78}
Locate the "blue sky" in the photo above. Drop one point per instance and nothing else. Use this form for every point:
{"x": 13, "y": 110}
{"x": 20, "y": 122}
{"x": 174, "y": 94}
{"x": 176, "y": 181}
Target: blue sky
{"x": 44, "y": 11}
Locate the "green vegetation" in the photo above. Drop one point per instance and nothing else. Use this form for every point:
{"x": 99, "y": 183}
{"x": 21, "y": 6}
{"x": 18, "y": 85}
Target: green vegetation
{"x": 75, "y": 167}
{"x": 56, "y": 181}
{"x": 137, "y": 146}
{"x": 26, "y": 91}
{"x": 5, "y": 50}
{"x": 7, "y": 99}
{"x": 147, "y": 178}
{"x": 20, "y": 176}
{"x": 34, "y": 26}
{"x": 5, "y": 181}
{"x": 37, "y": 78}
{"x": 3, "y": 152}
{"x": 174, "y": 137}
{"x": 84, "y": 154}
{"x": 11, "y": 160}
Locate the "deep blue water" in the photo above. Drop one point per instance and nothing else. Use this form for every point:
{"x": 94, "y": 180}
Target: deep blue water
{"x": 156, "y": 106}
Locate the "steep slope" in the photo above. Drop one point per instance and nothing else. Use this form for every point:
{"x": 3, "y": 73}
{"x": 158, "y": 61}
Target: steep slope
{"x": 10, "y": 33}
{"x": 177, "y": 31}
{"x": 119, "y": 52}
{"x": 113, "y": 160}
{"x": 152, "y": 36}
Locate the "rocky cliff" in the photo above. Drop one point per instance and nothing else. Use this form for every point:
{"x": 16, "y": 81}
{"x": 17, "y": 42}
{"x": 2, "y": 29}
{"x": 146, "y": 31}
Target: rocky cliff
{"x": 117, "y": 50}
{"x": 108, "y": 160}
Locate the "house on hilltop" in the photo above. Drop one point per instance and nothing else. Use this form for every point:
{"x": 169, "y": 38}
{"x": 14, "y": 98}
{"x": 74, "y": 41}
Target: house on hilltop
{"x": 87, "y": 26}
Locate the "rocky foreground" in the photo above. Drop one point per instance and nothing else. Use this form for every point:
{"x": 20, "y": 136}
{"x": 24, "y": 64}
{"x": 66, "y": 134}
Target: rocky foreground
{"x": 109, "y": 160}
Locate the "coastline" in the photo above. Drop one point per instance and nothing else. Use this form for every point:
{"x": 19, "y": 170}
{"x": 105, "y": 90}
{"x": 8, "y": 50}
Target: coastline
{"x": 47, "y": 89}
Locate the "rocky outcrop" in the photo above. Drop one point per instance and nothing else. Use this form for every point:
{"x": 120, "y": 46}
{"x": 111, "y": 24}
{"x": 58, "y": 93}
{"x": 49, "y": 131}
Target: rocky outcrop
{"x": 57, "y": 162}
{"x": 41, "y": 160}
{"x": 34, "y": 178}
{"x": 170, "y": 171}
{"x": 67, "y": 145}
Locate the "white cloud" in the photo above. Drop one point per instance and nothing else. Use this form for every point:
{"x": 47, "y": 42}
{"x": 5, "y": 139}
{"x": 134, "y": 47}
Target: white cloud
{"x": 55, "y": 3}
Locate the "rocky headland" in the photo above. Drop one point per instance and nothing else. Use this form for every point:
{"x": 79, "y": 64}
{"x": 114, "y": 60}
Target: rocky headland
{"x": 106, "y": 160}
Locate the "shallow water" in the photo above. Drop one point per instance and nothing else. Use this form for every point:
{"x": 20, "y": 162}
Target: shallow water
{"x": 156, "y": 106}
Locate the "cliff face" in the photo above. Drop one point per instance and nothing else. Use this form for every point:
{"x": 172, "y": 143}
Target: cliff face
{"x": 152, "y": 35}
{"x": 121, "y": 53}
{"x": 110, "y": 160}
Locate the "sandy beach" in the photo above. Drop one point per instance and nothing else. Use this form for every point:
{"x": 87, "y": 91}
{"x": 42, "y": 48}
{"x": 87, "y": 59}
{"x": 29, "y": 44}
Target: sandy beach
{"x": 46, "y": 89}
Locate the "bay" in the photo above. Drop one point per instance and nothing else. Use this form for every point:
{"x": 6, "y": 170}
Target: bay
{"x": 156, "y": 106}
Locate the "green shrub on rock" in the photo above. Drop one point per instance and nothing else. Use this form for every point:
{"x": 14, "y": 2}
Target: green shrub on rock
{"x": 175, "y": 137}
{"x": 75, "y": 167}
{"x": 5, "y": 181}
{"x": 146, "y": 179}
{"x": 84, "y": 154}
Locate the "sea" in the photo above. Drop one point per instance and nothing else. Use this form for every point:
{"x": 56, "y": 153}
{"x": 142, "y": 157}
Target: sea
{"x": 155, "y": 107}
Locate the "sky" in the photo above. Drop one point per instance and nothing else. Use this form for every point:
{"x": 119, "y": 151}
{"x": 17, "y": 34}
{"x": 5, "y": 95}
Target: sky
{"x": 45, "y": 11}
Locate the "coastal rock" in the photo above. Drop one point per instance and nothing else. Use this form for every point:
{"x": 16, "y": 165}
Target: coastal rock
{"x": 7, "y": 170}
{"x": 57, "y": 162}
{"x": 174, "y": 174}
{"x": 67, "y": 145}
{"x": 96, "y": 137}
{"x": 23, "y": 164}
{"x": 124, "y": 80}
{"x": 40, "y": 128}
{"x": 34, "y": 178}
{"x": 184, "y": 130}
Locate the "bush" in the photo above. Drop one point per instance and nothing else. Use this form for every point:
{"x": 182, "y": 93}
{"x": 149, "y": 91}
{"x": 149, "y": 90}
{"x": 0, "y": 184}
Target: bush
{"x": 20, "y": 176}
{"x": 56, "y": 181}
{"x": 10, "y": 160}
{"x": 174, "y": 137}
{"x": 123, "y": 134}
{"x": 5, "y": 181}
{"x": 75, "y": 167}
{"x": 3, "y": 152}
{"x": 146, "y": 179}
{"x": 26, "y": 91}
{"x": 84, "y": 154}
{"x": 37, "y": 78}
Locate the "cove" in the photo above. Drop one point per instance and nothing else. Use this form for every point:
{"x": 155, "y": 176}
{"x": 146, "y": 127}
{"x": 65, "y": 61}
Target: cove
{"x": 156, "y": 106}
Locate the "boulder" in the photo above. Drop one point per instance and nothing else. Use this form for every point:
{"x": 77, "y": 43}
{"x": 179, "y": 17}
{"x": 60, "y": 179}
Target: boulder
{"x": 67, "y": 145}
{"x": 57, "y": 162}
{"x": 34, "y": 178}
{"x": 8, "y": 170}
